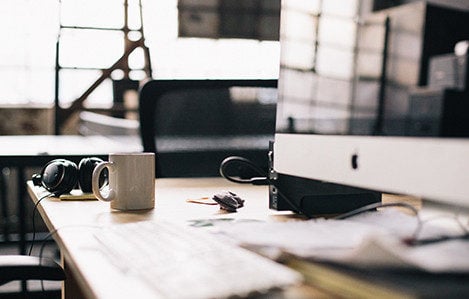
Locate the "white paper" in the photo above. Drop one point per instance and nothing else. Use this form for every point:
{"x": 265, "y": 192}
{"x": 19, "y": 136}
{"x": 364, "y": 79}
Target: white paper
{"x": 371, "y": 239}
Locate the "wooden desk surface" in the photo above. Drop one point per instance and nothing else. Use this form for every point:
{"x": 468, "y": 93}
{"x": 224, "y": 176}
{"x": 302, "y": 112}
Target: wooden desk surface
{"x": 76, "y": 220}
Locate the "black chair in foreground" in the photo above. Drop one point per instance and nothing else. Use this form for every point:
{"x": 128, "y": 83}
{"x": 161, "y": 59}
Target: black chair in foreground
{"x": 24, "y": 268}
{"x": 192, "y": 125}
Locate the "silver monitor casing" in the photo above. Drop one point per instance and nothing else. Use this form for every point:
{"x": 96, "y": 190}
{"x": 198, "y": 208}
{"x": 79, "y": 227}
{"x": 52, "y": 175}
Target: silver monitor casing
{"x": 432, "y": 168}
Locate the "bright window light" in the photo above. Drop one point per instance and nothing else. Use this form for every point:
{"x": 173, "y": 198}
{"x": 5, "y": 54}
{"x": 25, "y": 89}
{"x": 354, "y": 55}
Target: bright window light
{"x": 27, "y": 60}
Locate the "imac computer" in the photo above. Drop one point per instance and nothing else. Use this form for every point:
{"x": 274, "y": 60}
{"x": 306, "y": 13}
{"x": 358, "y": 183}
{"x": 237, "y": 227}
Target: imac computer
{"x": 356, "y": 107}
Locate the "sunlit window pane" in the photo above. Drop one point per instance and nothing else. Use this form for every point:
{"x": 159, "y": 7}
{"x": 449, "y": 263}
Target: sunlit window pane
{"x": 299, "y": 26}
{"x": 338, "y": 31}
{"x": 312, "y": 6}
{"x": 134, "y": 21}
{"x": 74, "y": 83}
{"x": 335, "y": 62}
{"x": 27, "y": 53}
{"x": 92, "y": 13}
{"x": 348, "y": 8}
{"x": 90, "y": 48}
{"x": 31, "y": 27}
{"x": 26, "y": 85}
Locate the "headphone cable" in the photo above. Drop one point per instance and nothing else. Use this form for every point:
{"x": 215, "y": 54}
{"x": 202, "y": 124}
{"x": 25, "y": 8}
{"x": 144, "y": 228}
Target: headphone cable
{"x": 33, "y": 219}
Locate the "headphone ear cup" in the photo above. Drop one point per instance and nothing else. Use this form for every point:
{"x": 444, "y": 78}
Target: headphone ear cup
{"x": 59, "y": 176}
{"x": 85, "y": 172}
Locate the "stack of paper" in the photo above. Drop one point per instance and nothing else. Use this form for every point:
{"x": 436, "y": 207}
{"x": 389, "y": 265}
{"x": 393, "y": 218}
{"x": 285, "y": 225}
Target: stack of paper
{"x": 373, "y": 239}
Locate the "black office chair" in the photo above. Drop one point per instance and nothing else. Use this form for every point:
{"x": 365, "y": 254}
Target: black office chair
{"x": 24, "y": 267}
{"x": 192, "y": 125}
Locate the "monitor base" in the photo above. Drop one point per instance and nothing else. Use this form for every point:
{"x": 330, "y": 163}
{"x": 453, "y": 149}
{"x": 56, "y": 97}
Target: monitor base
{"x": 316, "y": 198}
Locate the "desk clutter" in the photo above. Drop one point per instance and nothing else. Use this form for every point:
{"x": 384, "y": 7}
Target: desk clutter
{"x": 127, "y": 180}
{"x": 368, "y": 254}
{"x": 372, "y": 240}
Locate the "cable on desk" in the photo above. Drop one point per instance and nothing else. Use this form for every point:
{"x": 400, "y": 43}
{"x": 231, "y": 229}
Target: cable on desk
{"x": 378, "y": 205}
{"x": 263, "y": 179}
{"x": 374, "y": 206}
{"x": 427, "y": 241}
{"x": 415, "y": 241}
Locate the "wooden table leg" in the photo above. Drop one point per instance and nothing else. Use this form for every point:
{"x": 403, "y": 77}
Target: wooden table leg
{"x": 70, "y": 287}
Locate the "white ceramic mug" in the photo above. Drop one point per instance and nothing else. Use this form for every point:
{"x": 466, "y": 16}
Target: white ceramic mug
{"x": 131, "y": 181}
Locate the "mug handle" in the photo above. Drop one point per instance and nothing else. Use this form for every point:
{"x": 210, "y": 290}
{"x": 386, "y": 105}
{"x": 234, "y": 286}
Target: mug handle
{"x": 95, "y": 182}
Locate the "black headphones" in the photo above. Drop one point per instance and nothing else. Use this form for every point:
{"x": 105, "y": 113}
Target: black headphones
{"x": 60, "y": 176}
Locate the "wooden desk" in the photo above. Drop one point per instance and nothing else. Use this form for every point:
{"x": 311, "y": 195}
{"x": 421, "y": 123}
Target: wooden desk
{"x": 34, "y": 151}
{"x": 92, "y": 275}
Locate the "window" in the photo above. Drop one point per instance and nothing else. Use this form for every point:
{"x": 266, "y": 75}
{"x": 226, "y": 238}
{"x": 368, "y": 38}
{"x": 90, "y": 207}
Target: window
{"x": 27, "y": 63}
{"x": 27, "y": 53}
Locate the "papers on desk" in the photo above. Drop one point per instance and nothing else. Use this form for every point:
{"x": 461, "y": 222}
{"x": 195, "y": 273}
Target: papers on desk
{"x": 373, "y": 239}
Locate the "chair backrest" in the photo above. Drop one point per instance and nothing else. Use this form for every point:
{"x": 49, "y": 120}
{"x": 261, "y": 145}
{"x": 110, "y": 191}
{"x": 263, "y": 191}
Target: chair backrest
{"x": 193, "y": 124}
